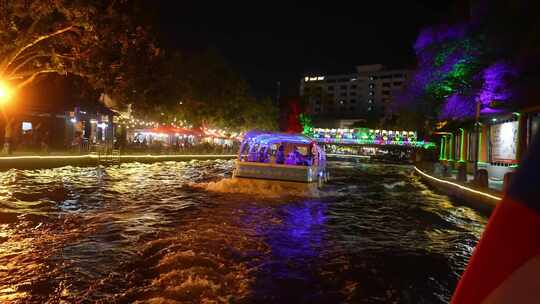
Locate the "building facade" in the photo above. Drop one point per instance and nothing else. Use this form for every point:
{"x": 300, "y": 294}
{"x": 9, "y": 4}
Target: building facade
{"x": 361, "y": 95}
{"x": 496, "y": 145}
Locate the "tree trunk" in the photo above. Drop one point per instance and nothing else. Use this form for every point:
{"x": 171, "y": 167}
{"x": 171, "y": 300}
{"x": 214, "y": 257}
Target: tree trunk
{"x": 8, "y": 136}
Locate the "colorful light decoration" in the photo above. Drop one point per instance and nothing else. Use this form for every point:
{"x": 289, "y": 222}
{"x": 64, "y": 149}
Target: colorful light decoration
{"x": 306, "y": 123}
{"x": 268, "y": 138}
{"x": 364, "y": 136}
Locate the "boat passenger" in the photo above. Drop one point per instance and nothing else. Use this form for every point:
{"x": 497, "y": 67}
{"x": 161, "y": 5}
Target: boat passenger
{"x": 311, "y": 154}
{"x": 263, "y": 156}
{"x": 295, "y": 158}
{"x": 252, "y": 155}
{"x": 280, "y": 155}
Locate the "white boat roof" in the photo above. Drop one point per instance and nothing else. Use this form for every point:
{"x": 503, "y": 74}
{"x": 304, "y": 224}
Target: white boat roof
{"x": 269, "y": 138}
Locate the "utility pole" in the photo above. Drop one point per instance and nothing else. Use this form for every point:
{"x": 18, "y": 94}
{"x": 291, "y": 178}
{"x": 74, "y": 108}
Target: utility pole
{"x": 477, "y": 139}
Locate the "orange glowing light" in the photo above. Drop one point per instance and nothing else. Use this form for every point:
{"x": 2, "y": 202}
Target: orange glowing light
{"x": 5, "y": 93}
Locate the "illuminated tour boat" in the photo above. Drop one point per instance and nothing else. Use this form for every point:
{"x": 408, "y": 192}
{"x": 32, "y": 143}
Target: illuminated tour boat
{"x": 281, "y": 157}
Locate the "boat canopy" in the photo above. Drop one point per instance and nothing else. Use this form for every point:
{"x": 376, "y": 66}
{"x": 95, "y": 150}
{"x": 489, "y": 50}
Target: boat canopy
{"x": 280, "y": 148}
{"x": 270, "y": 138}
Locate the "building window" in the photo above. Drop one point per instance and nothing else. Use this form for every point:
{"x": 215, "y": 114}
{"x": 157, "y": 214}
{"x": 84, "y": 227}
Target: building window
{"x": 398, "y": 75}
{"x": 351, "y": 108}
{"x": 353, "y": 86}
{"x": 330, "y": 88}
{"x": 370, "y": 101}
{"x": 371, "y": 85}
{"x": 371, "y": 93}
{"x": 352, "y": 101}
{"x": 353, "y": 93}
{"x": 370, "y": 108}
{"x": 371, "y": 78}
{"x": 341, "y": 101}
{"x": 343, "y": 87}
{"x": 386, "y": 92}
{"x": 386, "y": 84}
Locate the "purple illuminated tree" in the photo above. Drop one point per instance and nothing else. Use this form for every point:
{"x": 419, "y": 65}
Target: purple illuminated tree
{"x": 491, "y": 58}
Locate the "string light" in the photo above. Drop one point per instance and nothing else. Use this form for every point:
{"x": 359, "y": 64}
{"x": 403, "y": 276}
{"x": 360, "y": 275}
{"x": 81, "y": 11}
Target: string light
{"x": 458, "y": 185}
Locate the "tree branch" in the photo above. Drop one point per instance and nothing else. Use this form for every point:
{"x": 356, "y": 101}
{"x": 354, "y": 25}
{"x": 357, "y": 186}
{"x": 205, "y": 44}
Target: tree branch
{"x": 32, "y": 77}
{"x": 17, "y": 68}
{"x": 34, "y": 42}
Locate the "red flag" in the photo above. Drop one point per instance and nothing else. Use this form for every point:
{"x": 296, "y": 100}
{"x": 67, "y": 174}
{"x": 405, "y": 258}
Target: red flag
{"x": 505, "y": 266}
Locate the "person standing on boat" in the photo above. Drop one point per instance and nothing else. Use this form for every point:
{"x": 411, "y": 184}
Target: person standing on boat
{"x": 280, "y": 155}
{"x": 311, "y": 154}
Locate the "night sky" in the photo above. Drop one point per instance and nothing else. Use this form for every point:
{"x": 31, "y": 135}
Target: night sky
{"x": 270, "y": 41}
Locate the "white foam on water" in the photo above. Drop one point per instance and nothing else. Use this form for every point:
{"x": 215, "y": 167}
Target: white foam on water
{"x": 393, "y": 185}
{"x": 260, "y": 187}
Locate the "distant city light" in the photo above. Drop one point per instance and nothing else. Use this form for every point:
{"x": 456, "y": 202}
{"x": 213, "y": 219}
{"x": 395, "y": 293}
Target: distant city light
{"x": 315, "y": 78}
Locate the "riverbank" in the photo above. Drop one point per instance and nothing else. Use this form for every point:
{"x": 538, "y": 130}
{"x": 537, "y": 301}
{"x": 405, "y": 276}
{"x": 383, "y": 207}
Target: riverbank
{"x": 481, "y": 198}
{"x": 30, "y": 162}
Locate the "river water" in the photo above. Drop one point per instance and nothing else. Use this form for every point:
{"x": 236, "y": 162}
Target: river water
{"x": 137, "y": 233}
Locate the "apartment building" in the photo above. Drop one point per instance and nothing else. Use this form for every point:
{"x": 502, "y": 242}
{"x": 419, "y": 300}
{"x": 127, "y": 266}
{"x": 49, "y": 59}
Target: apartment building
{"x": 360, "y": 95}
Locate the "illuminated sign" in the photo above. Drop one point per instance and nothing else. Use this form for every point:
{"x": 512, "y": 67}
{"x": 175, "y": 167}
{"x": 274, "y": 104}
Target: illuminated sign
{"x": 314, "y": 78}
{"x": 504, "y": 142}
{"x": 26, "y": 126}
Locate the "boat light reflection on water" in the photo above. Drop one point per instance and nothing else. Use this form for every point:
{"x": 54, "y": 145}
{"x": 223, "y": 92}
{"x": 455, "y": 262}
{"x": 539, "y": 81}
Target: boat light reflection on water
{"x": 295, "y": 238}
{"x": 138, "y": 232}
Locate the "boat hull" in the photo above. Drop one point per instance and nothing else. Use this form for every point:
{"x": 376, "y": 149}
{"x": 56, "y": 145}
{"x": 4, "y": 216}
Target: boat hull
{"x": 278, "y": 172}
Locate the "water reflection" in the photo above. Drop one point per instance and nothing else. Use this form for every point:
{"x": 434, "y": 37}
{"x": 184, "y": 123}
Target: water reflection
{"x": 295, "y": 236}
{"x": 135, "y": 232}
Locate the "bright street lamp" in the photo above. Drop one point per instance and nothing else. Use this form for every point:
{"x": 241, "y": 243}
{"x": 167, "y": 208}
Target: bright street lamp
{"x": 5, "y": 93}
